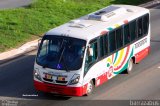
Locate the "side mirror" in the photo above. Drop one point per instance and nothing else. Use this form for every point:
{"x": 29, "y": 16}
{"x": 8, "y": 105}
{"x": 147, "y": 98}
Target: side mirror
{"x": 39, "y": 41}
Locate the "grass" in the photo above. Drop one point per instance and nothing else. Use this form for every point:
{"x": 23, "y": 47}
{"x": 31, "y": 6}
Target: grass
{"x": 20, "y": 25}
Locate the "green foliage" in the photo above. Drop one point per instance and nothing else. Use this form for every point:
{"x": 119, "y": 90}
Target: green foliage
{"x": 23, "y": 24}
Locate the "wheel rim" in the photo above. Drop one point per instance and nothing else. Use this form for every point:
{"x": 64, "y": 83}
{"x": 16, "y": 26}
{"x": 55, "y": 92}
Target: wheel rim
{"x": 130, "y": 66}
{"x": 89, "y": 88}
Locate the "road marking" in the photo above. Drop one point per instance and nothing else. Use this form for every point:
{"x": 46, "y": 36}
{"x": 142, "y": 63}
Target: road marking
{"x": 159, "y": 67}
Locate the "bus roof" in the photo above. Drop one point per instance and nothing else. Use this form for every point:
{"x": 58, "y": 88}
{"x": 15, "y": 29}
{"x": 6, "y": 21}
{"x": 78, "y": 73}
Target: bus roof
{"x": 99, "y": 22}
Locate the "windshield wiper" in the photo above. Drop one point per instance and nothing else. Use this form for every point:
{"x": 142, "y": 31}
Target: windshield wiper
{"x": 62, "y": 58}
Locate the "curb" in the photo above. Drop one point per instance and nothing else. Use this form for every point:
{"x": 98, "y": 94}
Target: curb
{"x": 15, "y": 53}
{"x": 33, "y": 45}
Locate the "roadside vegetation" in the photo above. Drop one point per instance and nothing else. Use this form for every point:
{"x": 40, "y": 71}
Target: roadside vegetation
{"x": 20, "y": 25}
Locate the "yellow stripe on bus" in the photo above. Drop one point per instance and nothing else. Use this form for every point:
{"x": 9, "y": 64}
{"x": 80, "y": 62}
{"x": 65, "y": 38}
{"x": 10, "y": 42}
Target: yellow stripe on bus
{"x": 109, "y": 60}
{"x": 119, "y": 57}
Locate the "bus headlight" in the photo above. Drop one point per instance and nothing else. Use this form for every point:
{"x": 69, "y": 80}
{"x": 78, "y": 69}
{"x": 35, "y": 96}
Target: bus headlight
{"x": 37, "y": 74}
{"x": 75, "y": 79}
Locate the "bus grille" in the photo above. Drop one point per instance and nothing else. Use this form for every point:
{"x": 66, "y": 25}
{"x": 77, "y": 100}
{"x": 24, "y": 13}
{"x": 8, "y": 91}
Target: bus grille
{"x": 62, "y": 82}
{"x": 49, "y": 80}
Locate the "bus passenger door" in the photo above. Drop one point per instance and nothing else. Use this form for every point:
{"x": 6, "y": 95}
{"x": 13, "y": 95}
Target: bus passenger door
{"x": 91, "y": 56}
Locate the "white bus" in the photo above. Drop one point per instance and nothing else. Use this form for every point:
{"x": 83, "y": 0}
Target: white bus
{"x": 86, "y": 52}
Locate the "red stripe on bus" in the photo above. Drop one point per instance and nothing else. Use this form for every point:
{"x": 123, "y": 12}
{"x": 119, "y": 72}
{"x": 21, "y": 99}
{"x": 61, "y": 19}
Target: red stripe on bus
{"x": 142, "y": 54}
{"x": 60, "y": 89}
{"x": 101, "y": 79}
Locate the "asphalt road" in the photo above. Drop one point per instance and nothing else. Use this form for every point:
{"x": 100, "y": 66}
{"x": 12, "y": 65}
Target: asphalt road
{"x": 13, "y": 3}
{"x": 16, "y": 81}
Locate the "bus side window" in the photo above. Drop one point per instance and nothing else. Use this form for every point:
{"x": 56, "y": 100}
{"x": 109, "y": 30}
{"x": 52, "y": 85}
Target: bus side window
{"x": 140, "y": 28}
{"x": 145, "y": 24}
{"x": 103, "y": 45}
{"x": 132, "y": 27}
{"x": 112, "y": 41}
{"x": 119, "y": 38}
{"x": 126, "y": 34}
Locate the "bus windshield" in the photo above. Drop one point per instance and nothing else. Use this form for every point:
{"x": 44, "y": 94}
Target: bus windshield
{"x": 62, "y": 53}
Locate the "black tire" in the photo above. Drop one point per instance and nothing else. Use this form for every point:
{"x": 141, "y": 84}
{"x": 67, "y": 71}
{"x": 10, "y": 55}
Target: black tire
{"x": 130, "y": 66}
{"x": 90, "y": 88}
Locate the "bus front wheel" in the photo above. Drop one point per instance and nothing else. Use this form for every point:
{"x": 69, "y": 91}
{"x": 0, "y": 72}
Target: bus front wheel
{"x": 90, "y": 88}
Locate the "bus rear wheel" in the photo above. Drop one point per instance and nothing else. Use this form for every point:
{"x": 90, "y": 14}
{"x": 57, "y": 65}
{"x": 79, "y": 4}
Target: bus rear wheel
{"x": 130, "y": 66}
{"x": 90, "y": 88}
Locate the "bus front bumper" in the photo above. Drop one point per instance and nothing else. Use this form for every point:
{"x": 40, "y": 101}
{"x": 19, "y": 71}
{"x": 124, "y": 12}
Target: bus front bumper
{"x": 60, "y": 89}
